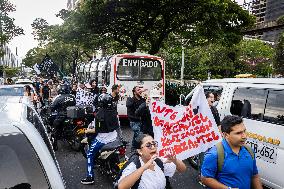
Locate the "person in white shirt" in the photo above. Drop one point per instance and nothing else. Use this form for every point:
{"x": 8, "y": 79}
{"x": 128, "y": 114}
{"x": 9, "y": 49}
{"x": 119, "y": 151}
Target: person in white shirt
{"x": 152, "y": 176}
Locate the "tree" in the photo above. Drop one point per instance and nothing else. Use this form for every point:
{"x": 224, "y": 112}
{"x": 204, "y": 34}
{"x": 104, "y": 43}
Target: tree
{"x": 258, "y": 56}
{"x": 149, "y": 23}
{"x": 41, "y": 30}
{"x": 279, "y": 58}
{"x": 8, "y": 29}
{"x": 62, "y": 46}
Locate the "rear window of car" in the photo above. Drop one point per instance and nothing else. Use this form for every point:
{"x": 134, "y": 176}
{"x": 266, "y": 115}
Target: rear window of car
{"x": 20, "y": 166}
{"x": 12, "y": 91}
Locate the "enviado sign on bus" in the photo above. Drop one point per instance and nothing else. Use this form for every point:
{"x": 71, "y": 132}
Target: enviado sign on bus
{"x": 140, "y": 62}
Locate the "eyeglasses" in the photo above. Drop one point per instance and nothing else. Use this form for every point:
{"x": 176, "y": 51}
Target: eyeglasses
{"x": 149, "y": 145}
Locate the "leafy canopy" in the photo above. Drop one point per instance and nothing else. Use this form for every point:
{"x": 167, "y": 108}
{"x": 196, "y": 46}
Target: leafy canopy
{"x": 150, "y": 22}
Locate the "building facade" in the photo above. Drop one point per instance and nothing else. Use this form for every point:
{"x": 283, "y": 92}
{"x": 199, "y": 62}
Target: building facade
{"x": 266, "y": 12}
{"x": 72, "y": 4}
{"x": 258, "y": 9}
{"x": 274, "y": 10}
{"x": 9, "y": 59}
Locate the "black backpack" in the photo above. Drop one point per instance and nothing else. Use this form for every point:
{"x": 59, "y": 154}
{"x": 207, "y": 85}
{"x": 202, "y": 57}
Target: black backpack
{"x": 106, "y": 120}
{"x": 135, "y": 159}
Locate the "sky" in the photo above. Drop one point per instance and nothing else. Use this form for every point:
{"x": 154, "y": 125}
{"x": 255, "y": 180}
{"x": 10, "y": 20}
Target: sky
{"x": 26, "y": 12}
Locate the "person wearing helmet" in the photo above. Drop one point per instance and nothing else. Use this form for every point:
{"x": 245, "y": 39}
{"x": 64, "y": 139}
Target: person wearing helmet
{"x": 59, "y": 106}
{"x": 104, "y": 132}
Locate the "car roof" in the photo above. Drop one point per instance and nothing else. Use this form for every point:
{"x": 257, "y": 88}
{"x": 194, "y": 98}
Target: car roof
{"x": 24, "y": 80}
{"x": 277, "y": 81}
{"x": 10, "y": 110}
{"x": 13, "y": 125}
{"x": 12, "y": 86}
{"x": 16, "y": 99}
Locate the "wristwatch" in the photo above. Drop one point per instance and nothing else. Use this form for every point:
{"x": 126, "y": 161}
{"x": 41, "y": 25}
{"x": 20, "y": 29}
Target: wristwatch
{"x": 229, "y": 188}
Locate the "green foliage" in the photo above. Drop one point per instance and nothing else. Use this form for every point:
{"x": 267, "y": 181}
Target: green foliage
{"x": 147, "y": 24}
{"x": 213, "y": 58}
{"x": 279, "y": 58}
{"x": 41, "y": 30}
{"x": 10, "y": 72}
{"x": 257, "y": 55}
{"x": 8, "y": 29}
{"x": 280, "y": 20}
{"x": 221, "y": 61}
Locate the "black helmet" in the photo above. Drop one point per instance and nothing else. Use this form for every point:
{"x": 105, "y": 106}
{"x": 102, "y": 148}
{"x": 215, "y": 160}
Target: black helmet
{"x": 63, "y": 89}
{"x": 105, "y": 101}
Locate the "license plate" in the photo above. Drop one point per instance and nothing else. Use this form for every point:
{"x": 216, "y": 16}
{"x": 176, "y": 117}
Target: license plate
{"x": 263, "y": 151}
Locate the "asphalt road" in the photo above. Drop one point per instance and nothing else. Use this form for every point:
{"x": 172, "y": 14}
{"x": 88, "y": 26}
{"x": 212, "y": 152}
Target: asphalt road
{"x": 73, "y": 167}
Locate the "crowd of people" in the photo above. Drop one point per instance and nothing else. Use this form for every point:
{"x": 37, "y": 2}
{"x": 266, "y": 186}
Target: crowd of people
{"x": 237, "y": 169}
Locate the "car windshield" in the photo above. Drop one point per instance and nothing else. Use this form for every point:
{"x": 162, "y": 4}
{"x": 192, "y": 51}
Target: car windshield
{"x": 12, "y": 91}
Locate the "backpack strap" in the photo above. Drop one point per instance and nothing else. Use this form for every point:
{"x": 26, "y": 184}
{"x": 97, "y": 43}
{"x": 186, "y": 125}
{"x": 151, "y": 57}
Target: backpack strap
{"x": 248, "y": 148}
{"x": 135, "y": 159}
{"x": 161, "y": 165}
{"x": 221, "y": 156}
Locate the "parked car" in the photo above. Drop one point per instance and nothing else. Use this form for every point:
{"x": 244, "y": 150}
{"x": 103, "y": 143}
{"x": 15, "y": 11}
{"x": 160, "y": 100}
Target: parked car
{"x": 29, "y": 160}
{"x": 23, "y": 81}
{"x": 17, "y": 90}
{"x": 260, "y": 101}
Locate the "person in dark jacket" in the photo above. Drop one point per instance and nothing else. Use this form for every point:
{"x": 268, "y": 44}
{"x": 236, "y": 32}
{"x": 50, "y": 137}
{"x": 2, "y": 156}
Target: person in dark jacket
{"x": 132, "y": 105}
{"x": 144, "y": 112}
{"x": 59, "y": 106}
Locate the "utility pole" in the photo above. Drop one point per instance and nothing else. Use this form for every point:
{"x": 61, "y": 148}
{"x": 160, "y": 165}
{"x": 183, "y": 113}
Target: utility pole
{"x": 182, "y": 62}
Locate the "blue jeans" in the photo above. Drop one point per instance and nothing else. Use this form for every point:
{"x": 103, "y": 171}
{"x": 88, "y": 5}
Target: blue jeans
{"x": 94, "y": 148}
{"x": 136, "y": 128}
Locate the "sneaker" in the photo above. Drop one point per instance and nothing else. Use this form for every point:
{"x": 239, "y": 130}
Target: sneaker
{"x": 88, "y": 180}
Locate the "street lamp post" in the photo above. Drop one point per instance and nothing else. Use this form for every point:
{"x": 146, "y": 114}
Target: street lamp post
{"x": 182, "y": 63}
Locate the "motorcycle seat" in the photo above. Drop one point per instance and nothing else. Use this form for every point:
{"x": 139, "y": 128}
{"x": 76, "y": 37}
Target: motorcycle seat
{"x": 112, "y": 145}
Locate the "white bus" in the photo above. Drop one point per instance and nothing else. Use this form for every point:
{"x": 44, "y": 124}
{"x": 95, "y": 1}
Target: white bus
{"x": 127, "y": 70}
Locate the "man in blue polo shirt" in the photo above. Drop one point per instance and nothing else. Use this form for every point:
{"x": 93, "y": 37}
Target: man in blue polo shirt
{"x": 239, "y": 167}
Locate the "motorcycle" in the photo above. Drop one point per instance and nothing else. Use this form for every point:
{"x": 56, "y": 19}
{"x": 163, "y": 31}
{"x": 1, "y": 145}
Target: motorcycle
{"x": 73, "y": 130}
{"x": 110, "y": 159}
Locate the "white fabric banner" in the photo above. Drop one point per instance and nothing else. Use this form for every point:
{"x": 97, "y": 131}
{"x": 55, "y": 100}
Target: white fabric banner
{"x": 184, "y": 131}
{"x": 36, "y": 69}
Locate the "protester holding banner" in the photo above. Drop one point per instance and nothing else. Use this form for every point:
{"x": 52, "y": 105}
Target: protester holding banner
{"x": 149, "y": 174}
{"x": 132, "y": 105}
{"x": 211, "y": 98}
{"x": 239, "y": 168}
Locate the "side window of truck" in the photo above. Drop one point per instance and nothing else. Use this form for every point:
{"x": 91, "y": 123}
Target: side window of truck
{"x": 216, "y": 90}
{"x": 274, "y": 111}
{"x": 249, "y": 103}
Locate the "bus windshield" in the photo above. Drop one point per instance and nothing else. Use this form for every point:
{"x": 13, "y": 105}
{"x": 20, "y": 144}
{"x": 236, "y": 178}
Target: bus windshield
{"x": 136, "y": 69}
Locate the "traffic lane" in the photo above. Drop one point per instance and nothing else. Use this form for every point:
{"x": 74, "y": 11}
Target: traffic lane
{"x": 73, "y": 167}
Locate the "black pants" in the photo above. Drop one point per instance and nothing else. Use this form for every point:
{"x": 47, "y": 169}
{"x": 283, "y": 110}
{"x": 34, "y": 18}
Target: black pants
{"x": 58, "y": 125}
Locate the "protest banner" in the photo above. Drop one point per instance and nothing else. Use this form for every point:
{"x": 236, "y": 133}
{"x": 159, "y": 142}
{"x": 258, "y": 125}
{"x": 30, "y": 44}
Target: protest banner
{"x": 184, "y": 131}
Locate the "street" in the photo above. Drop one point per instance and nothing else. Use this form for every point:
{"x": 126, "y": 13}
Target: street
{"x": 73, "y": 167}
